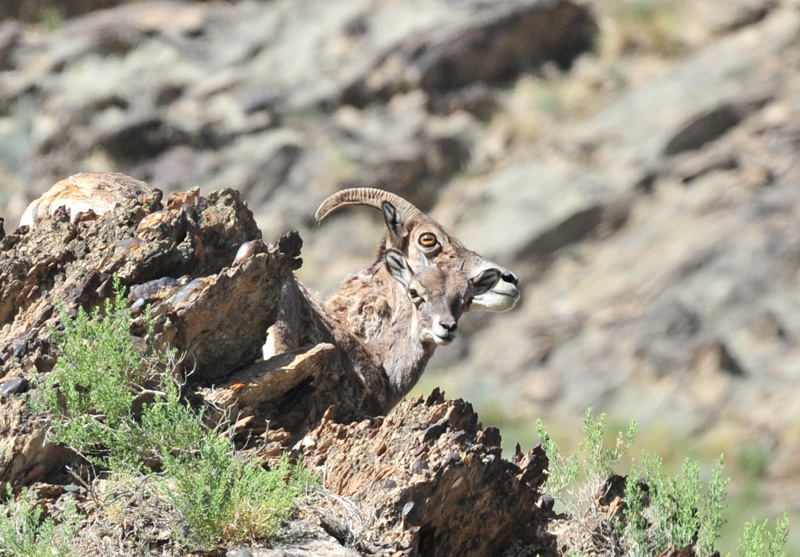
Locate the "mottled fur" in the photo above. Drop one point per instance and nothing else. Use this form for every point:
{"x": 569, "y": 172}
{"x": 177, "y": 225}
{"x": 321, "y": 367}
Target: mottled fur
{"x": 361, "y": 304}
{"x": 358, "y": 379}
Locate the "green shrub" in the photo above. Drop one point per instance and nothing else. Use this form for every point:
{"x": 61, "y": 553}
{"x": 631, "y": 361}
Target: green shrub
{"x": 223, "y": 497}
{"x": 671, "y": 511}
{"x": 575, "y": 478}
{"x": 90, "y": 393}
{"x": 675, "y": 510}
{"x": 91, "y": 397}
{"x": 758, "y": 541}
{"x": 23, "y": 532}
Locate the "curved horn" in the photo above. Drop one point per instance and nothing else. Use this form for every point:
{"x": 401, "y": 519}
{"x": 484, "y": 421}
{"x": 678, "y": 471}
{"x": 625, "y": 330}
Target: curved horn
{"x": 370, "y": 197}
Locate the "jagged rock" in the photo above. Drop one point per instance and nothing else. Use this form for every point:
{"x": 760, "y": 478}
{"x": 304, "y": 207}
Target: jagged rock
{"x": 702, "y": 128}
{"x": 727, "y": 16}
{"x": 429, "y": 481}
{"x": 700, "y": 257}
{"x": 220, "y": 320}
{"x": 299, "y": 538}
{"x": 265, "y": 381}
{"x": 211, "y": 303}
{"x": 13, "y": 386}
{"x": 695, "y": 164}
{"x": 31, "y": 10}
{"x": 506, "y": 39}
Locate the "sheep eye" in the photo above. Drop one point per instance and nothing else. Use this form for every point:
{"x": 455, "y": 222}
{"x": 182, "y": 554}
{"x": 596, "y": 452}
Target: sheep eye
{"x": 415, "y": 297}
{"x": 427, "y": 240}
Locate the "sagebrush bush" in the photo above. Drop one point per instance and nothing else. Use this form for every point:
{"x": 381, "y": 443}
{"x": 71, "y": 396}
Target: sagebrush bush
{"x": 223, "y": 497}
{"x": 90, "y": 393}
{"x": 574, "y": 479}
{"x": 758, "y": 541}
{"x": 24, "y": 532}
{"x": 661, "y": 511}
{"x": 117, "y": 404}
{"x": 676, "y": 511}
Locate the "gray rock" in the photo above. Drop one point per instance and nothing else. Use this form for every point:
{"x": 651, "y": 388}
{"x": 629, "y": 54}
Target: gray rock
{"x": 140, "y": 87}
{"x": 723, "y": 17}
{"x": 139, "y": 136}
{"x": 10, "y": 32}
{"x": 728, "y": 73}
{"x": 508, "y": 38}
{"x": 297, "y": 538}
{"x": 13, "y": 386}
{"x": 180, "y": 165}
{"x": 238, "y": 552}
{"x": 680, "y": 307}
{"x": 703, "y": 128}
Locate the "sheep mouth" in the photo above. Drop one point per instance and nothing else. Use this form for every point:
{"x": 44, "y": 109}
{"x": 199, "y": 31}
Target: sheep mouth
{"x": 443, "y": 340}
{"x": 505, "y": 288}
{"x": 497, "y": 300}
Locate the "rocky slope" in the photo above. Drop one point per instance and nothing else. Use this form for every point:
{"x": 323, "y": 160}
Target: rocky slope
{"x": 212, "y": 301}
{"x": 637, "y": 170}
{"x": 659, "y": 242}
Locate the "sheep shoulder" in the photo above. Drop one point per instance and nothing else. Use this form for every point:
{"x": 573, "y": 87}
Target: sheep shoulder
{"x": 367, "y": 304}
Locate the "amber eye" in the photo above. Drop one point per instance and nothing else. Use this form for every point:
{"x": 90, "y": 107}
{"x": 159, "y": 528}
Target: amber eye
{"x": 428, "y": 240}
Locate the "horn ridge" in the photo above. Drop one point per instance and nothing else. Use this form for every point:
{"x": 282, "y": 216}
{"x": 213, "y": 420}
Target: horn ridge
{"x": 370, "y": 197}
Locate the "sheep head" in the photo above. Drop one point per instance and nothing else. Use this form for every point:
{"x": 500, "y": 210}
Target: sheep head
{"x": 440, "y": 296}
{"x": 416, "y": 235}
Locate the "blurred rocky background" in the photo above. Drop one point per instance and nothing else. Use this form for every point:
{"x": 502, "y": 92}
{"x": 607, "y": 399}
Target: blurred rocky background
{"x": 635, "y": 162}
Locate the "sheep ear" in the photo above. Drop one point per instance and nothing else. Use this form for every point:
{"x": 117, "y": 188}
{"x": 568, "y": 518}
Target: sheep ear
{"x": 397, "y": 265}
{"x": 394, "y": 223}
{"x": 485, "y": 281}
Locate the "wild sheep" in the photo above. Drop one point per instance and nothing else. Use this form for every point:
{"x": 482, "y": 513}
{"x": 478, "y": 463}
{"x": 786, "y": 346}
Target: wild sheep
{"x": 381, "y": 305}
{"x": 383, "y": 310}
{"x": 419, "y": 238}
{"x": 410, "y": 314}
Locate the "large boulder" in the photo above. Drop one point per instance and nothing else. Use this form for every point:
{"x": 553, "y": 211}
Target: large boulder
{"x": 179, "y": 256}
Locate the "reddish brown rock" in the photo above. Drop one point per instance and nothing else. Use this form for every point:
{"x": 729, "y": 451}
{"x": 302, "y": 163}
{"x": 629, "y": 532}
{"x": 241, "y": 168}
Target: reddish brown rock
{"x": 428, "y": 480}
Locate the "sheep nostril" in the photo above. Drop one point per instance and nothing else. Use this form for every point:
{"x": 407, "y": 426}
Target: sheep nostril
{"x": 450, "y": 327}
{"x": 508, "y": 276}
